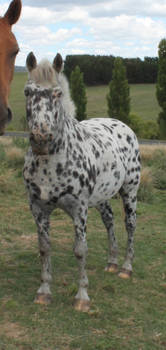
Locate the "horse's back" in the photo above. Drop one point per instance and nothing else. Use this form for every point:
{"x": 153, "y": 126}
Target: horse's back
{"x": 113, "y": 133}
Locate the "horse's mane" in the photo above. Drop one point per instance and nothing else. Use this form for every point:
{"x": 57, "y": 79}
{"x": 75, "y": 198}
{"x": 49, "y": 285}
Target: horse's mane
{"x": 46, "y": 76}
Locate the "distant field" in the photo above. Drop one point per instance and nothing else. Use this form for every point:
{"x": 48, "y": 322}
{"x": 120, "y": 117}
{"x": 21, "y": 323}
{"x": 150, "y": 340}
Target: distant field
{"x": 17, "y": 101}
{"x": 143, "y": 101}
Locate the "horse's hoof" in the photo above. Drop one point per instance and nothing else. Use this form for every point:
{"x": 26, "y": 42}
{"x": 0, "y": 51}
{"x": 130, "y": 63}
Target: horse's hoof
{"x": 43, "y": 299}
{"x": 82, "y": 305}
{"x": 125, "y": 274}
{"x": 113, "y": 268}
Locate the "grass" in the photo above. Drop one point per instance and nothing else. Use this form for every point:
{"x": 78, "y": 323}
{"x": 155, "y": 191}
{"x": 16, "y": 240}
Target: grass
{"x": 143, "y": 101}
{"x": 124, "y": 314}
{"x": 17, "y": 101}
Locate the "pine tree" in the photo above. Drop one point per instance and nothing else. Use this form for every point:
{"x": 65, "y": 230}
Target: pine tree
{"x": 118, "y": 98}
{"x": 161, "y": 87}
{"x": 78, "y": 93}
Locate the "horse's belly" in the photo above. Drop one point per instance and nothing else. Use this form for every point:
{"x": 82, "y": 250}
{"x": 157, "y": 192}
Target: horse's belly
{"x": 107, "y": 187}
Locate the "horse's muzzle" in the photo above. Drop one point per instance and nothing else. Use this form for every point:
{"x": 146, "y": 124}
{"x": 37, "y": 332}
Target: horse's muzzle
{"x": 40, "y": 142}
{"x": 5, "y": 118}
{"x": 10, "y": 115}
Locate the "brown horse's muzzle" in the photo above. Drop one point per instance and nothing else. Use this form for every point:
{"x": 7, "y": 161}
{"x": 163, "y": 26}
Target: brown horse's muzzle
{"x": 5, "y": 118}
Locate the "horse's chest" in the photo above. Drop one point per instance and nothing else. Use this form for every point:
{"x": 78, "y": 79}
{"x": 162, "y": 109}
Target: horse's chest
{"x": 47, "y": 182}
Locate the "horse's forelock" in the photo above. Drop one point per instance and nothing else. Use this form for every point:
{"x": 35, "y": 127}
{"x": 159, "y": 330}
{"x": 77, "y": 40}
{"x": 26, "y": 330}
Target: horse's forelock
{"x": 44, "y": 74}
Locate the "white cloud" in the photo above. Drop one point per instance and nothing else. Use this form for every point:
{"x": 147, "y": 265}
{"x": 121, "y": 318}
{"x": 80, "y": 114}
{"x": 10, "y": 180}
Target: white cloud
{"x": 44, "y": 36}
{"x": 128, "y": 28}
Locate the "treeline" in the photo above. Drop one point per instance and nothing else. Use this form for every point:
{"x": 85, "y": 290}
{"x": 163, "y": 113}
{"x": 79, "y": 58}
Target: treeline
{"x": 97, "y": 70}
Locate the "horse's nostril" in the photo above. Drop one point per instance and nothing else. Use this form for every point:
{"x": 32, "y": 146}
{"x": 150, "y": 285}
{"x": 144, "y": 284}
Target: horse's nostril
{"x": 38, "y": 138}
{"x": 35, "y": 137}
{"x": 9, "y": 115}
{"x": 31, "y": 137}
{"x": 50, "y": 138}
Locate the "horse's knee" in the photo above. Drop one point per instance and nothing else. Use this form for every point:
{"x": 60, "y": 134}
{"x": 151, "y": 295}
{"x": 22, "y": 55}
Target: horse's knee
{"x": 80, "y": 249}
{"x": 130, "y": 222}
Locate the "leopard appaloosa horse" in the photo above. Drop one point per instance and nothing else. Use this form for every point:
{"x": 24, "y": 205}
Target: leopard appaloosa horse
{"x": 75, "y": 165}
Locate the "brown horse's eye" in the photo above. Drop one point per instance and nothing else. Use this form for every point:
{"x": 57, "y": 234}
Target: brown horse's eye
{"x": 14, "y": 54}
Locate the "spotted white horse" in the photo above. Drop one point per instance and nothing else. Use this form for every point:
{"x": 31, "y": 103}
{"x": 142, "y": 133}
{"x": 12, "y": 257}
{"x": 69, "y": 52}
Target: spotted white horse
{"x": 73, "y": 166}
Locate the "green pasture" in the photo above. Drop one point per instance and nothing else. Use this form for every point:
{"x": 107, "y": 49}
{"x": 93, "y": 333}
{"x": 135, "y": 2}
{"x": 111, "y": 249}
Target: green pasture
{"x": 143, "y": 101}
{"x": 128, "y": 315}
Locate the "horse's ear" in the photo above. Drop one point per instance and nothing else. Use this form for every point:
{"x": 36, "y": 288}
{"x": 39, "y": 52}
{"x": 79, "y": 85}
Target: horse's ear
{"x": 58, "y": 63}
{"x": 31, "y": 62}
{"x": 13, "y": 13}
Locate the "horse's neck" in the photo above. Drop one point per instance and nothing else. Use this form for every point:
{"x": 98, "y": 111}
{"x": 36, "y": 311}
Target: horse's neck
{"x": 71, "y": 128}
{"x": 71, "y": 125}
{"x": 65, "y": 132}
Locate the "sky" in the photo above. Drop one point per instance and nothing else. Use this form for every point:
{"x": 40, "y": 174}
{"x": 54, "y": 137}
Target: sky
{"x": 126, "y": 28}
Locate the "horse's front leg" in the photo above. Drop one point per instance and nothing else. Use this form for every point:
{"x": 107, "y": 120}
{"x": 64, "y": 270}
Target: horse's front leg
{"x": 82, "y": 300}
{"x": 42, "y": 221}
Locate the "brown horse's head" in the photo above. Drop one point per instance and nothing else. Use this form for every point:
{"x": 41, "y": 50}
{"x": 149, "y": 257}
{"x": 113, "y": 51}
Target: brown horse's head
{"x": 8, "y": 51}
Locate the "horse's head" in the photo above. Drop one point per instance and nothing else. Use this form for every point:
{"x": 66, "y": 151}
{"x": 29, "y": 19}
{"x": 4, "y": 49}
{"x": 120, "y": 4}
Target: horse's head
{"x": 42, "y": 103}
{"x": 8, "y": 51}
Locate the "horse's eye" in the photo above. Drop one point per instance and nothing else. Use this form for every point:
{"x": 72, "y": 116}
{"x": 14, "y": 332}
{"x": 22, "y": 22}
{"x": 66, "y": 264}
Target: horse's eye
{"x": 57, "y": 93}
{"x": 14, "y": 53}
{"x": 26, "y": 92}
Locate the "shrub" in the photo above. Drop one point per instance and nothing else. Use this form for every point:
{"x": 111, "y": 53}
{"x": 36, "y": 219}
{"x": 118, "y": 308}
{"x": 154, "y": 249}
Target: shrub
{"x": 143, "y": 129}
{"x": 136, "y": 124}
{"x": 150, "y": 130}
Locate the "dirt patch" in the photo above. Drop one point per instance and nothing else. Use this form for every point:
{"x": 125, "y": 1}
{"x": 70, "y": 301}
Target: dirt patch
{"x": 13, "y": 330}
{"x": 28, "y": 241}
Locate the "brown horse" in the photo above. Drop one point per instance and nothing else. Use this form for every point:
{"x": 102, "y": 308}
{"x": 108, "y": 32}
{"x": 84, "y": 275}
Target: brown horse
{"x": 8, "y": 51}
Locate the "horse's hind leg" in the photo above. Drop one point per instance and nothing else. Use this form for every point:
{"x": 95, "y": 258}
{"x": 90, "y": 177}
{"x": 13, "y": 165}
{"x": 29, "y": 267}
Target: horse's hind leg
{"x": 107, "y": 217}
{"x": 42, "y": 222}
{"x": 128, "y": 195}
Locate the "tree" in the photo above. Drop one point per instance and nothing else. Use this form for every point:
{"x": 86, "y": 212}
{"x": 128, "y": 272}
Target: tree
{"x": 118, "y": 98}
{"x": 161, "y": 87}
{"x": 98, "y": 69}
{"x": 78, "y": 93}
